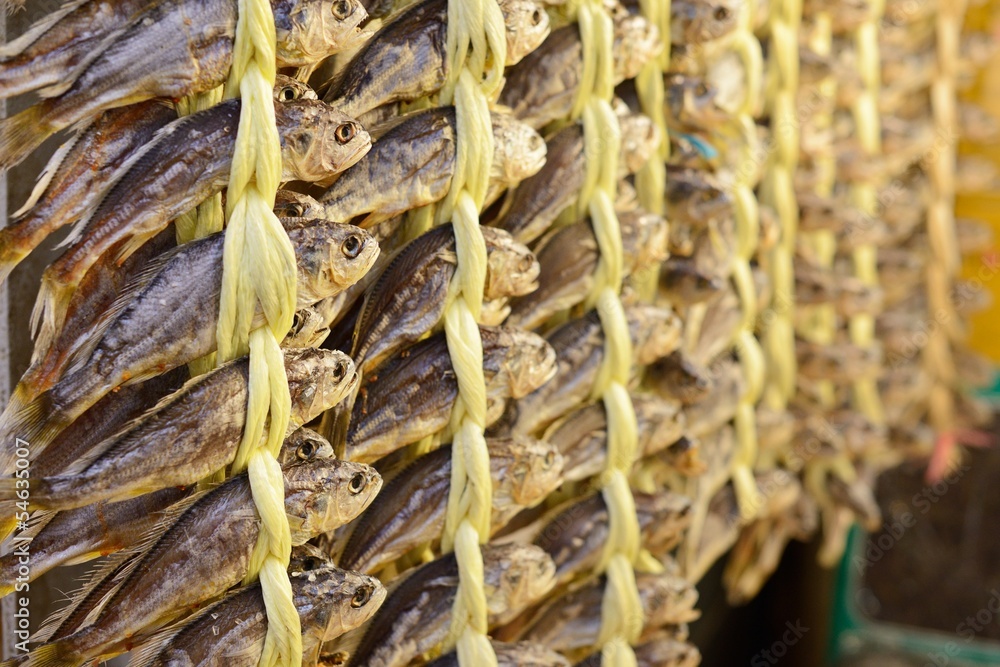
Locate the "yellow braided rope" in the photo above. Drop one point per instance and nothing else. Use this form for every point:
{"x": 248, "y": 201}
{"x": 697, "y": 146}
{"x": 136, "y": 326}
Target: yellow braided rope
{"x": 820, "y": 323}
{"x": 650, "y": 182}
{"x": 746, "y": 213}
{"x": 944, "y": 260}
{"x": 259, "y": 266}
{"x": 865, "y": 195}
{"x": 621, "y": 609}
{"x": 779, "y": 189}
{"x": 476, "y": 46}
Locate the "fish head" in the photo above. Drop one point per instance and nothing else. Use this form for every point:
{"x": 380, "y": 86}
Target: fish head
{"x": 664, "y": 518}
{"x": 696, "y": 100}
{"x": 637, "y": 41}
{"x": 306, "y": 558}
{"x": 696, "y": 196}
{"x": 667, "y": 598}
{"x": 516, "y": 576}
{"x": 310, "y": 30}
{"x": 645, "y": 236}
{"x": 518, "y": 150}
{"x": 697, "y": 21}
{"x": 318, "y": 141}
{"x": 527, "y": 27}
{"x": 533, "y": 469}
{"x": 332, "y": 601}
{"x": 640, "y": 140}
{"x": 304, "y": 444}
{"x": 309, "y": 329}
{"x": 331, "y": 257}
{"x": 661, "y": 422}
{"x": 287, "y": 89}
{"x": 655, "y": 331}
{"x": 318, "y": 379}
{"x": 512, "y": 268}
{"x": 322, "y": 495}
{"x": 290, "y": 204}
{"x": 530, "y": 362}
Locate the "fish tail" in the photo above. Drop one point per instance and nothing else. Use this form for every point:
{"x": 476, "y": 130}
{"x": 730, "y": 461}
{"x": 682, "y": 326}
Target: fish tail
{"x": 23, "y": 133}
{"x": 57, "y": 654}
{"x": 49, "y": 312}
{"x": 8, "y": 522}
{"x": 11, "y": 253}
{"x": 23, "y": 426}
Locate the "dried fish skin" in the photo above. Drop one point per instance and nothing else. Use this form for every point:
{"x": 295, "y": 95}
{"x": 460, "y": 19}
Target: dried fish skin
{"x": 513, "y": 654}
{"x": 410, "y": 511}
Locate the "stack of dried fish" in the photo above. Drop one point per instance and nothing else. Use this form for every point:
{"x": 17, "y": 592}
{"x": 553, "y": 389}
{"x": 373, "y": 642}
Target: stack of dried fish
{"x": 771, "y": 370}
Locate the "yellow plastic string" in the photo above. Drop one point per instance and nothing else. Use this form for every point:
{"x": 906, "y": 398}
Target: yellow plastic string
{"x": 785, "y": 17}
{"x": 944, "y": 260}
{"x": 621, "y": 609}
{"x": 865, "y": 196}
{"x": 259, "y": 267}
{"x": 746, "y": 213}
{"x": 476, "y": 49}
{"x": 819, "y": 323}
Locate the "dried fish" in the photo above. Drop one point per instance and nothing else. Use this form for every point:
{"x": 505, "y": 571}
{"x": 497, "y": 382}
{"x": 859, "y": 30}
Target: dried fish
{"x": 82, "y": 534}
{"x": 407, "y": 300}
{"x": 683, "y": 283}
{"x": 134, "y": 342}
{"x": 406, "y": 60}
{"x": 572, "y": 622}
{"x": 410, "y": 511}
{"x": 231, "y": 632}
{"x": 681, "y": 378}
{"x": 205, "y": 550}
{"x": 662, "y": 651}
{"x": 173, "y": 445}
{"x": 579, "y": 350}
{"x": 569, "y": 258}
{"x": 576, "y": 536}
{"x": 539, "y": 200}
{"x": 410, "y": 396}
{"x": 543, "y": 86}
{"x": 412, "y": 162}
{"x": 582, "y": 435}
{"x": 516, "y": 654}
{"x": 416, "y": 616}
{"x": 172, "y": 50}
{"x": 190, "y": 160}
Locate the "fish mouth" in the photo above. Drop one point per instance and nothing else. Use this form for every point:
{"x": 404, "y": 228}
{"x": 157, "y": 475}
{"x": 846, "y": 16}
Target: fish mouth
{"x": 353, "y": 158}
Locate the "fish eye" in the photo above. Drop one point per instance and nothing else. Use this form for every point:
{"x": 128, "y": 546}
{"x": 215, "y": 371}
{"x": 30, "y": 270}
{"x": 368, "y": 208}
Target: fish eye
{"x": 342, "y": 9}
{"x": 344, "y": 133}
{"x": 306, "y": 450}
{"x": 352, "y": 246}
{"x": 535, "y": 143}
{"x": 536, "y": 17}
{"x": 357, "y": 483}
{"x": 297, "y": 210}
{"x": 361, "y": 596}
{"x": 701, "y": 90}
{"x": 550, "y": 459}
{"x": 525, "y": 264}
{"x": 311, "y": 563}
{"x": 287, "y": 94}
{"x": 721, "y": 13}
{"x": 339, "y": 372}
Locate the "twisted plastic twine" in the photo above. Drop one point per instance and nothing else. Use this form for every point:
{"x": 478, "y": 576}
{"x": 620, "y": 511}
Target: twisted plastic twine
{"x": 476, "y": 45}
{"x": 259, "y": 267}
{"x": 746, "y": 211}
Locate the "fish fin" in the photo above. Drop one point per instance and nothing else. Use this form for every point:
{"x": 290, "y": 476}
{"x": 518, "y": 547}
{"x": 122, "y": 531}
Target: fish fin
{"x": 10, "y": 255}
{"x": 31, "y": 35}
{"x": 51, "y": 167}
{"x": 23, "y": 133}
{"x": 132, "y": 244}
